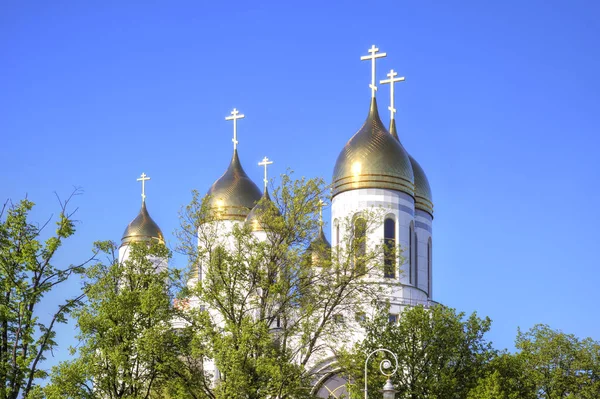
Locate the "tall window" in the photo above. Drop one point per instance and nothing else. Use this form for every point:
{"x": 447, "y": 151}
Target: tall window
{"x": 429, "y": 285}
{"x": 411, "y": 253}
{"x": 389, "y": 238}
{"x": 416, "y": 260}
{"x": 360, "y": 245}
{"x": 337, "y": 239}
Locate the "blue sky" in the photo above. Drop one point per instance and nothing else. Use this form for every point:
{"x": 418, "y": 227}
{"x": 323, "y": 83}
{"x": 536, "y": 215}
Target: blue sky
{"x": 500, "y": 107}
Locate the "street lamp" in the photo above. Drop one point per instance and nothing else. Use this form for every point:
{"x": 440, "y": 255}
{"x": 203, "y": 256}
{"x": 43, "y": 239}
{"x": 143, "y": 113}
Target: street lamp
{"x": 385, "y": 365}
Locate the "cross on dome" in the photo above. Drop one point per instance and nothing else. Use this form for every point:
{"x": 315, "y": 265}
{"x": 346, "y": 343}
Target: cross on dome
{"x": 143, "y": 179}
{"x": 265, "y": 162}
{"x": 321, "y": 205}
{"x": 235, "y": 115}
{"x": 392, "y": 79}
{"x": 374, "y": 55}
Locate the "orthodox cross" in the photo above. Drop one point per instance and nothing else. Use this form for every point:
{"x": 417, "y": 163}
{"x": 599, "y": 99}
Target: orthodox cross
{"x": 392, "y": 79}
{"x": 265, "y": 162}
{"x": 143, "y": 179}
{"x": 373, "y": 50}
{"x": 235, "y": 115}
{"x": 321, "y": 205}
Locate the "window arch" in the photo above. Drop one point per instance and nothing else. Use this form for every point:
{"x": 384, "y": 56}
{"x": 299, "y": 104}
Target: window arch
{"x": 336, "y": 224}
{"x": 411, "y": 253}
{"x": 429, "y": 269}
{"x": 416, "y": 259}
{"x": 359, "y": 244}
{"x": 389, "y": 240}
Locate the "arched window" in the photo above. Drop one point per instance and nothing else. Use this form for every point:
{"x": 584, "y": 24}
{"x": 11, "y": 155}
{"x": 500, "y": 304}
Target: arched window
{"x": 429, "y": 270}
{"x": 411, "y": 253}
{"x": 360, "y": 245}
{"x": 416, "y": 259}
{"x": 389, "y": 255}
{"x": 337, "y": 239}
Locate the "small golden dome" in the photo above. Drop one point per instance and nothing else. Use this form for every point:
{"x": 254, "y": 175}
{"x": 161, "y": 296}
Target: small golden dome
{"x": 142, "y": 228}
{"x": 320, "y": 248}
{"x": 264, "y": 206}
{"x": 423, "y": 199}
{"x": 234, "y": 194}
{"x": 373, "y": 159}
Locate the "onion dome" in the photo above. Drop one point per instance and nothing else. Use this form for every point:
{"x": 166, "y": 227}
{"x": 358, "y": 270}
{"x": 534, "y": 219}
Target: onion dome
{"x": 142, "y": 228}
{"x": 372, "y": 158}
{"x": 423, "y": 199}
{"x": 234, "y": 194}
{"x": 264, "y": 207}
{"x": 320, "y": 248}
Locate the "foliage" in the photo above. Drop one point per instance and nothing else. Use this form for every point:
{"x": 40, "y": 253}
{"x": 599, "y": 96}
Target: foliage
{"x": 560, "y": 365}
{"x": 272, "y": 308}
{"x": 28, "y": 273}
{"x": 440, "y": 352}
{"x": 505, "y": 378}
{"x": 127, "y": 345}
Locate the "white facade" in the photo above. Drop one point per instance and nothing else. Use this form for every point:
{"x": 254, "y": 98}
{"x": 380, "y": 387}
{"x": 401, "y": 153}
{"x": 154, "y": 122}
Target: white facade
{"x": 160, "y": 264}
{"x": 405, "y": 287}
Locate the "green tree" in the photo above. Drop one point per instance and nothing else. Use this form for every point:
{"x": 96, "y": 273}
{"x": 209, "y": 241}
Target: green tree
{"x": 505, "y": 378}
{"x": 127, "y": 344}
{"x": 275, "y": 307}
{"x": 560, "y": 365}
{"x": 441, "y": 353}
{"x": 28, "y": 273}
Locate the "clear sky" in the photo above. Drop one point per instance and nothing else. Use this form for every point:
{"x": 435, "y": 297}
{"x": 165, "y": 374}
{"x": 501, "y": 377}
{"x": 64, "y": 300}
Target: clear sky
{"x": 500, "y": 106}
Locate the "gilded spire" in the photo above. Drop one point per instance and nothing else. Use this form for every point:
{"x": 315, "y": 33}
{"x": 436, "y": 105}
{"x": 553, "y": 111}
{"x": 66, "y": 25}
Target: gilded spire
{"x": 393, "y": 131}
{"x": 143, "y": 227}
{"x": 372, "y": 158}
{"x": 373, "y": 56}
{"x": 319, "y": 249}
{"x": 234, "y": 194}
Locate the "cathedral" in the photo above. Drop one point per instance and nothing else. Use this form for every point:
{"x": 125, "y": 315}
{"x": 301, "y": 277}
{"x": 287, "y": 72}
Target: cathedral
{"x": 372, "y": 170}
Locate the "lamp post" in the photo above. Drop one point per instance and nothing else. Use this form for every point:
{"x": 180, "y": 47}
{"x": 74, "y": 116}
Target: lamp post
{"x": 385, "y": 365}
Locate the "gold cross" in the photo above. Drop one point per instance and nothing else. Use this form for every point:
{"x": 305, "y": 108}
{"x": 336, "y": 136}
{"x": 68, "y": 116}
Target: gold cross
{"x": 392, "y": 79}
{"x": 265, "y": 162}
{"x": 143, "y": 179}
{"x": 235, "y": 115}
{"x": 373, "y": 51}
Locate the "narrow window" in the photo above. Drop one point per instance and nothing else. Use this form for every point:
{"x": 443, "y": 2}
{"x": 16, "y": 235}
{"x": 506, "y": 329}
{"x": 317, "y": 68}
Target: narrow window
{"x": 393, "y": 318}
{"x": 416, "y": 261}
{"x": 337, "y": 240}
{"x": 429, "y": 287}
{"x": 411, "y": 249}
{"x": 389, "y": 238}
{"x": 360, "y": 245}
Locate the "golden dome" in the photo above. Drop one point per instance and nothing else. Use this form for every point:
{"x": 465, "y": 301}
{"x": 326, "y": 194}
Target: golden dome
{"x": 264, "y": 206}
{"x": 372, "y": 158}
{"x": 423, "y": 199}
{"x": 320, "y": 248}
{"x": 234, "y": 194}
{"x": 142, "y": 228}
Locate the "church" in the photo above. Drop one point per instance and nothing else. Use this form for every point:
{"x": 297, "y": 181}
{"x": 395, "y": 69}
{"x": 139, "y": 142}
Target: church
{"x": 372, "y": 170}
